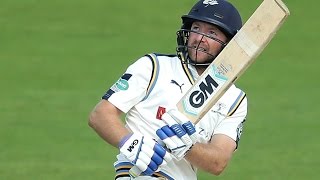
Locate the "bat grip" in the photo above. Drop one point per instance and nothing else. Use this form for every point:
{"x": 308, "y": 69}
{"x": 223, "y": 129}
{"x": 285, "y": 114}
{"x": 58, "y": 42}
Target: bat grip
{"x": 135, "y": 172}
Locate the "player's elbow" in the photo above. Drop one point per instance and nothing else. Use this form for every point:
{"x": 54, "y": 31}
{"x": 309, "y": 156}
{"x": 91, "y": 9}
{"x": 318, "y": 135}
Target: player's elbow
{"x": 93, "y": 121}
{"x": 217, "y": 168}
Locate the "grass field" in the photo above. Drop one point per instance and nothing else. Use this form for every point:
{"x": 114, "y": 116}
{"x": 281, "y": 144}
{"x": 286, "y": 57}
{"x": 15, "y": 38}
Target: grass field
{"x": 58, "y": 57}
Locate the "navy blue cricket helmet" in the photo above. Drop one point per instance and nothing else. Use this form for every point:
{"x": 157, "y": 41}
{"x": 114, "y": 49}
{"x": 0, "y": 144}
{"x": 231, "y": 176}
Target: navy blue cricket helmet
{"x": 217, "y": 12}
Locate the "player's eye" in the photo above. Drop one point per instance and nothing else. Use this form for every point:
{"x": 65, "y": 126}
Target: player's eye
{"x": 212, "y": 34}
{"x": 195, "y": 28}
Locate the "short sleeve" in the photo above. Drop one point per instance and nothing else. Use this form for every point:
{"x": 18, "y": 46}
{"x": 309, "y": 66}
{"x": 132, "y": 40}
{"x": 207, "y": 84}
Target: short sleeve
{"x": 132, "y": 86}
{"x": 232, "y": 126}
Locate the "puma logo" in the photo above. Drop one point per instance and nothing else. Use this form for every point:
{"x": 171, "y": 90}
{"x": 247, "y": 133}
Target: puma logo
{"x": 175, "y": 82}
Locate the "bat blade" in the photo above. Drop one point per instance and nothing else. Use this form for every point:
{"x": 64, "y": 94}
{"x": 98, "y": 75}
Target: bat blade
{"x": 234, "y": 59}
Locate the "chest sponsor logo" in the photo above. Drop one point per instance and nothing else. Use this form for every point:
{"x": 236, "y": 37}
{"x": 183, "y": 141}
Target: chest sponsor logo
{"x": 220, "y": 108}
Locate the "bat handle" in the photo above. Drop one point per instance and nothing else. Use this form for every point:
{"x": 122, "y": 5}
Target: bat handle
{"x": 135, "y": 172}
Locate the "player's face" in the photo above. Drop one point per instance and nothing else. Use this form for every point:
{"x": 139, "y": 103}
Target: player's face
{"x": 203, "y": 49}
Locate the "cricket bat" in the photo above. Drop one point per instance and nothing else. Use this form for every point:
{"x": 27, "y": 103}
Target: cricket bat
{"x": 233, "y": 60}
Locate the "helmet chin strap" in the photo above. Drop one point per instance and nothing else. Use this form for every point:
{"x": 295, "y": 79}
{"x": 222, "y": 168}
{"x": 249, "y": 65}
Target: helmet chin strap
{"x": 186, "y": 59}
{"x": 195, "y": 63}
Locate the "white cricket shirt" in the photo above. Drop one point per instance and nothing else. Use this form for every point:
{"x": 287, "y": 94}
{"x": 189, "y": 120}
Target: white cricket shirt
{"x": 155, "y": 82}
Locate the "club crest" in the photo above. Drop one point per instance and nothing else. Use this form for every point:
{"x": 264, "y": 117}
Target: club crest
{"x": 210, "y": 2}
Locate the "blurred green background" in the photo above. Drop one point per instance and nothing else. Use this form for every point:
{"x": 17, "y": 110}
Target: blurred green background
{"x": 58, "y": 57}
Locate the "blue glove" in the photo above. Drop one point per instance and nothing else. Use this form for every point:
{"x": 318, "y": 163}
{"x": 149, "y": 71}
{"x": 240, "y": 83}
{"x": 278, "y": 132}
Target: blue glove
{"x": 145, "y": 153}
{"x": 177, "y": 133}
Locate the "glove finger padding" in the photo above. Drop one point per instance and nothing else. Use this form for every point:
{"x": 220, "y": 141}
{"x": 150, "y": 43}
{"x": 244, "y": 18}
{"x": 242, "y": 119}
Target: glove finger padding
{"x": 187, "y": 125}
{"x": 168, "y": 136}
{"x": 178, "y": 134}
{"x": 177, "y": 128}
{"x": 145, "y": 153}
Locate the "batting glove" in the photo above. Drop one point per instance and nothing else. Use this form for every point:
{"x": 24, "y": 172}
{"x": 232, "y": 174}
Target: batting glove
{"x": 177, "y": 133}
{"x": 145, "y": 153}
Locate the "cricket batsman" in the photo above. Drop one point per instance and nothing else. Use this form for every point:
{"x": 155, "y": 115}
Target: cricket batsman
{"x": 155, "y": 138}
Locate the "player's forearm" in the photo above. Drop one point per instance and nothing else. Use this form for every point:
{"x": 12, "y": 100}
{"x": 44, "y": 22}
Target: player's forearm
{"x": 107, "y": 123}
{"x": 209, "y": 158}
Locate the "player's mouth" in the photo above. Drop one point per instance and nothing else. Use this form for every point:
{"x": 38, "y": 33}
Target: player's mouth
{"x": 199, "y": 48}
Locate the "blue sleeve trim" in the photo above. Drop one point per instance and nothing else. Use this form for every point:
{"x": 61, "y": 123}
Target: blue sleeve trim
{"x": 154, "y": 74}
{"x": 236, "y": 103}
